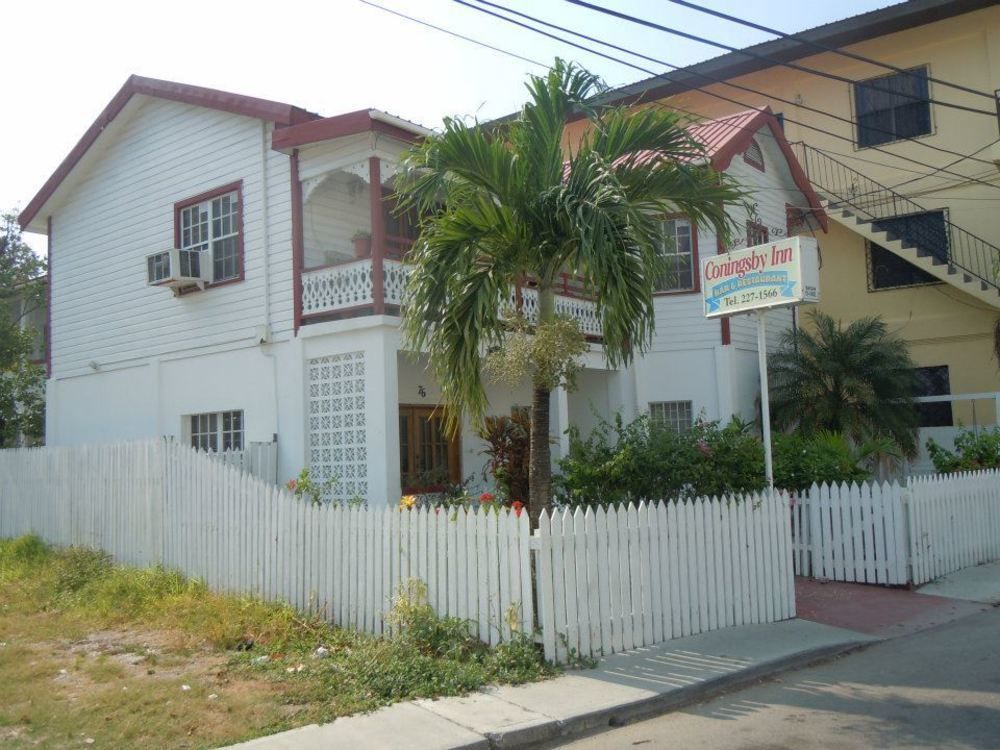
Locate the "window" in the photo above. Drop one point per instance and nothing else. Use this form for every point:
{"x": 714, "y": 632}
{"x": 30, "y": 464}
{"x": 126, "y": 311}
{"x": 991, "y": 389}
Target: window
{"x": 679, "y": 248}
{"x": 928, "y": 231}
{"x": 934, "y": 381}
{"x": 754, "y": 156}
{"x": 893, "y": 107}
{"x": 217, "y": 431}
{"x": 212, "y": 222}
{"x": 428, "y": 458}
{"x": 674, "y": 415}
{"x": 757, "y": 234}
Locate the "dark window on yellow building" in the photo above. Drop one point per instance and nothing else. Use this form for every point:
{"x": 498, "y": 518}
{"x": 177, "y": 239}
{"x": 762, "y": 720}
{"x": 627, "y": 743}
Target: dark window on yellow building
{"x": 890, "y": 108}
{"x": 934, "y": 381}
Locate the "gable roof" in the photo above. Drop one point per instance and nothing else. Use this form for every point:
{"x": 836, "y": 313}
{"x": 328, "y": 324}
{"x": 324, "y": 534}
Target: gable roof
{"x": 249, "y": 106}
{"x": 773, "y": 53}
{"x": 350, "y": 123}
{"x": 729, "y": 136}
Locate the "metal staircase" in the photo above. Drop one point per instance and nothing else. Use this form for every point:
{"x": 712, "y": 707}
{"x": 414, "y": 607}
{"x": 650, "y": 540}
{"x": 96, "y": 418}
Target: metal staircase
{"x": 879, "y": 214}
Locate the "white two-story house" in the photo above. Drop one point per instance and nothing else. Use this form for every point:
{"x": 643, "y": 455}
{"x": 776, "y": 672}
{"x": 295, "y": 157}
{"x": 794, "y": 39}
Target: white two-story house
{"x": 226, "y": 270}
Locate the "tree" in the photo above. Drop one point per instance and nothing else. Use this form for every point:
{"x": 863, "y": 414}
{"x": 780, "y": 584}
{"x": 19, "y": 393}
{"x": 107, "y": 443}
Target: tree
{"x": 22, "y": 291}
{"x": 503, "y": 206}
{"x": 857, "y": 381}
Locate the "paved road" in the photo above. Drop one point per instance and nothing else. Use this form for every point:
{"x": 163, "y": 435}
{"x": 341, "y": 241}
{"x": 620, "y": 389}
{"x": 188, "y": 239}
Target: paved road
{"x": 937, "y": 689}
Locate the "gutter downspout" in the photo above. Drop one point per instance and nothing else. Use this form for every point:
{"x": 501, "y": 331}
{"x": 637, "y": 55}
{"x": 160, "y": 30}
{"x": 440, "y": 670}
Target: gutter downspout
{"x": 266, "y": 338}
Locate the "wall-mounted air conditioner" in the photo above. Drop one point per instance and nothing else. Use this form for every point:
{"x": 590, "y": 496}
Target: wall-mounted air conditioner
{"x": 178, "y": 269}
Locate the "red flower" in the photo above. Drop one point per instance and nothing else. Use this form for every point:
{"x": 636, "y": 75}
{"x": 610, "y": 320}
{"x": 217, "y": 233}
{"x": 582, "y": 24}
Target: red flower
{"x": 487, "y": 497}
{"x": 518, "y": 506}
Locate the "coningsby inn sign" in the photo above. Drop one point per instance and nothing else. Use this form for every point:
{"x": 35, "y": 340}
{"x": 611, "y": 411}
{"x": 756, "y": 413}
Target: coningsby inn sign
{"x": 778, "y": 274}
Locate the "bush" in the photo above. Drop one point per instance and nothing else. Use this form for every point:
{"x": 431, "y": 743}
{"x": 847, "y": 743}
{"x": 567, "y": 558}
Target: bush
{"x": 973, "y": 452}
{"x": 624, "y": 463}
{"x": 800, "y": 461}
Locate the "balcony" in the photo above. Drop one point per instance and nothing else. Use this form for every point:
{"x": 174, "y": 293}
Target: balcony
{"x": 349, "y": 290}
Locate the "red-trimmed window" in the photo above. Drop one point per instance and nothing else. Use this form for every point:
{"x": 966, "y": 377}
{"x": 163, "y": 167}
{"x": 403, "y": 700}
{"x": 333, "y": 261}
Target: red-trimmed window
{"x": 757, "y": 234}
{"x": 754, "y": 156}
{"x": 213, "y": 221}
{"x": 679, "y": 248}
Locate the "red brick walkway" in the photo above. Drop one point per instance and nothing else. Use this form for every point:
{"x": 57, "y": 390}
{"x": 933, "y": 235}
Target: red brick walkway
{"x": 876, "y": 610}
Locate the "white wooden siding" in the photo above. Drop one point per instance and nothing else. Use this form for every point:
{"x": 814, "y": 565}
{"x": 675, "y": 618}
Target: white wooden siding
{"x": 122, "y": 209}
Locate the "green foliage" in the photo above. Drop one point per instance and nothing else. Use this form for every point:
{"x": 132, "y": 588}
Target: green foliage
{"x": 623, "y": 463}
{"x": 973, "y": 451}
{"x": 857, "y": 381}
{"x": 22, "y": 392}
{"x": 507, "y": 449}
{"x": 800, "y": 461}
{"x": 316, "y": 491}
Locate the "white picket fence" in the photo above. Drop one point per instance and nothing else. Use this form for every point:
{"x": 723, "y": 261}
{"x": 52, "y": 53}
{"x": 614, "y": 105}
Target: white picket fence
{"x": 164, "y": 503}
{"x": 257, "y": 459}
{"x": 619, "y": 579}
{"x": 954, "y": 523}
{"x": 604, "y": 581}
{"x": 893, "y": 535}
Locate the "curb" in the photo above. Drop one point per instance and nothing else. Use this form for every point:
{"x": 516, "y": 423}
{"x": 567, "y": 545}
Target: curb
{"x": 553, "y": 733}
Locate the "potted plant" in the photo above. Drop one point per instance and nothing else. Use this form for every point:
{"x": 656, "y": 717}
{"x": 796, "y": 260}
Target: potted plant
{"x": 362, "y": 240}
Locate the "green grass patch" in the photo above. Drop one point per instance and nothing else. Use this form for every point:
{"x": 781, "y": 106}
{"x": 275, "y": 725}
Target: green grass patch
{"x": 95, "y": 650}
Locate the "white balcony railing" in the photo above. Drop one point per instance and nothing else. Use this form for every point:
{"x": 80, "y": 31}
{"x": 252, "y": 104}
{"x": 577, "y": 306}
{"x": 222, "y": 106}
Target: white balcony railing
{"x": 348, "y": 286}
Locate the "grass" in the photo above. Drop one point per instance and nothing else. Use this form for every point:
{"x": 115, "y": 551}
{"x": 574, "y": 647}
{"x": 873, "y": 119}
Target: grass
{"x": 98, "y": 655}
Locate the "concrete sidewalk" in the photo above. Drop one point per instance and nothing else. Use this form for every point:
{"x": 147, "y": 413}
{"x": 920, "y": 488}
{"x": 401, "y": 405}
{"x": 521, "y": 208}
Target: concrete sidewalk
{"x": 622, "y": 688}
{"x": 979, "y": 584}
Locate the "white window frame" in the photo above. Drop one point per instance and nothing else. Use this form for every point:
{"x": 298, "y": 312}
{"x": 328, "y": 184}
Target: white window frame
{"x": 672, "y": 250}
{"x": 677, "y": 416}
{"x": 215, "y": 432}
{"x": 214, "y": 224}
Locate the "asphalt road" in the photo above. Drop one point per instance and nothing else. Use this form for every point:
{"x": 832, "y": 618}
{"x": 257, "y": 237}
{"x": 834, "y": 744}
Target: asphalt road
{"x": 936, "y": 689}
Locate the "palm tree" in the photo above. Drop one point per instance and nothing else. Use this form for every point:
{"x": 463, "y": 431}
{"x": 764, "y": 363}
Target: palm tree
{"x": 857, "y": 381}
{"x": 507, "y": 204}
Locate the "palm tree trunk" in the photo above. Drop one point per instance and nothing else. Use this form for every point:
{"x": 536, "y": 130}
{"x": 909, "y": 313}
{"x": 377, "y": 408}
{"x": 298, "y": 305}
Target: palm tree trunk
{"x": 540, "y": 460}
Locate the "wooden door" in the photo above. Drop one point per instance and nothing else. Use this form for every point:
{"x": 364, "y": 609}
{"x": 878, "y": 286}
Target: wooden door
{"x": 428, "y": 459}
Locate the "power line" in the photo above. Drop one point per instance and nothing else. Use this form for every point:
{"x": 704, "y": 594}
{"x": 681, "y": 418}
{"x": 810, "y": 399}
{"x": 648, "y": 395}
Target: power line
{"x": 771, "y": 60}
{"x": 724, "y": 82}
{"x": 709, "y": 93}
{"x": 946, "y": 166}
{"x": 817, "y": 45}
{"x": 455, "y": 34}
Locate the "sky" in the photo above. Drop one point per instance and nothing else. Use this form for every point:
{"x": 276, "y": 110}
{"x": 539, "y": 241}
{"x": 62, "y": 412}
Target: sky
{"x": 331, "y": 57}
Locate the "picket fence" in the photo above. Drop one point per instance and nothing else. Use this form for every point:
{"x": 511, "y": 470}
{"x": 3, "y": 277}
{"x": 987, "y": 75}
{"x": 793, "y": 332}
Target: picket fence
{"x": 257, "y": 459}
{"x": 894, "y": 535}
{"x": 614, "y": 580}
{"x": 591, "y": 583}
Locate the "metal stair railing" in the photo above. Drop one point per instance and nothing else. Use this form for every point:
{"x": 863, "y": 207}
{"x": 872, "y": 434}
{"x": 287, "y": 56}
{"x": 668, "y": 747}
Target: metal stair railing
{"x": 847, "y": 189}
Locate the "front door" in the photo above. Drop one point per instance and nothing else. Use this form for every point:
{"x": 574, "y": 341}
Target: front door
{"x": 428, "y": 459}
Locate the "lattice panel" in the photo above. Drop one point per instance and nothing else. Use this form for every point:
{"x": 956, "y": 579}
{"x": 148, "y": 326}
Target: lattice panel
{"x": 338, "y": 423}
{"x": 337, "y": 287}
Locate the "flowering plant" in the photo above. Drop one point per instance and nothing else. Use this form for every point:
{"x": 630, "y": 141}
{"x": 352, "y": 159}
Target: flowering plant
{"x": 317, "y": 491}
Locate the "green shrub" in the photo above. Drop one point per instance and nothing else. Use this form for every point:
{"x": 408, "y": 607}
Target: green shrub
{"x": 800, "y": 461}
{"x": 621, "y": 463}
{"x": 972, "y": 452}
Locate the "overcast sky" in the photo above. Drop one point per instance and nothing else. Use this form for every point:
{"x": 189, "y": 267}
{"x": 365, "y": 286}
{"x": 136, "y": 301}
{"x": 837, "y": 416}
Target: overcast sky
{"x": 65, "y": 60}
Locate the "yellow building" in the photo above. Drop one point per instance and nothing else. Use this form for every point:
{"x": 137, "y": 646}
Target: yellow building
{"x": 878, "y": 145}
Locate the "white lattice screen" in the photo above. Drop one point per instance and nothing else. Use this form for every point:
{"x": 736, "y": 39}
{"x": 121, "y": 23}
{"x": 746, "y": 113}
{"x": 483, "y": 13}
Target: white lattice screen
{"x": 337, "y": 423}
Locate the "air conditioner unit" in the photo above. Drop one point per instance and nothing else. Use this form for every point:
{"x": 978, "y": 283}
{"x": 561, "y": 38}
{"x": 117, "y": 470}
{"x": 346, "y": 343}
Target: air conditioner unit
{"x": 178, "y": 269}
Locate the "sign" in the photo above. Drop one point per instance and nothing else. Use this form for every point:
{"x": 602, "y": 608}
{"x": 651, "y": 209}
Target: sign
{"x": 777, "y": 274}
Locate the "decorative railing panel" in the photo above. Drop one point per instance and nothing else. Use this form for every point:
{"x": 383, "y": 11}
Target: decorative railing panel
{"x": 350, "y": 285}
{"x": 336, "y": 288}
